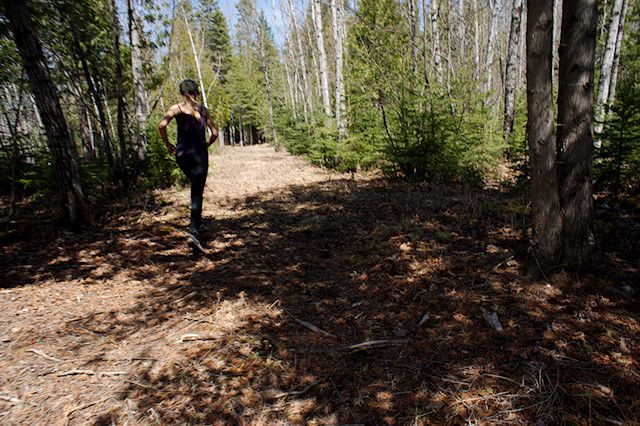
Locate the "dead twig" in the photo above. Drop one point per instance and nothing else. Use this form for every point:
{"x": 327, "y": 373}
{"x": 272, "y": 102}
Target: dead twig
{"x": 140, "y": 385}
{"x": 357, "y": 347}
{"x": 91, "y": 373}
{"x": 44, "y": 355}
{"x": 312, "y": 327}
{"x": 300, "y": 392}
{"x": 10, "y": 399}
{"x": 84, "y": 406}
{"x": 196, "y": 337}
{"x": 183, "y": 298}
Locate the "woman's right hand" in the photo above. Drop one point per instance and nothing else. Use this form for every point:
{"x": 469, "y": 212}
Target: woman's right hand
{"x": 172, "y": 149}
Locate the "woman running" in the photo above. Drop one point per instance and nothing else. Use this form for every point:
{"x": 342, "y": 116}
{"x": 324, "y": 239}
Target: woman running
{"x": 191, "y": 149}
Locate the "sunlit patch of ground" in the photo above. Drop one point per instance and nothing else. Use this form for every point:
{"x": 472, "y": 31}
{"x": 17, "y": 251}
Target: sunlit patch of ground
{"x": 124, "y": 326}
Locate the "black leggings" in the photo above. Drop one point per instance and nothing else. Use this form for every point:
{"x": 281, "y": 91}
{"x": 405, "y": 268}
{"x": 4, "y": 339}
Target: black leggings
{"x": 195, "y": 167}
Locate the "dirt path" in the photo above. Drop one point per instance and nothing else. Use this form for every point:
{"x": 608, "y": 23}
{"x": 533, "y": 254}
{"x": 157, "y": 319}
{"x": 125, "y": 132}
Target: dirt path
{"x": 124, "y": 326}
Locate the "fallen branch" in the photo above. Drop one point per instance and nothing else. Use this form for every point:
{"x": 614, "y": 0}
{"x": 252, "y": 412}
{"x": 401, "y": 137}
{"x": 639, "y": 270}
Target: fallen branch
{"x": 300, "y": 392}
{"x": 91, "y": 373}
{"x": 10, "y": 399}
{"x": 44, "y": 355}
{"x": 84, "y": 406}
{"x": 196, "y": 337}
{"x": 193, "y": 293}
{"x": 140, "y": 385}
{"x": 313, "y": 327}
{"x": 357, "y": 347}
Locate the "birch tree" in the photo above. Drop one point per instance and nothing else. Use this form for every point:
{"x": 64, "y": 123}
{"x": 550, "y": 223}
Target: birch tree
{"x": 435, "y": 41}
{"x": 606, "y": 69}
{"x": 301, "y": 59}
{"x": 196, "y": 57}
{"x": 338, "y": 40}
{"x": 616, "y": 56}
{"x": 488, "y": 57}
{"x": 139, "y": 92}
{"x": 316, "y": 11}
{"x": 513, "y": 59}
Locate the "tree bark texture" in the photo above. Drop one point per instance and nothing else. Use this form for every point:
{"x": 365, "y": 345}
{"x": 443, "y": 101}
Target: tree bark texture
{"x": 139, "y": 93}
{"x": 575, "y": 120}
{"x": 606, "y": 69}
{"x": 338, "y": 39}
{"x": 488, "y": 57}
{"x": 511, "y": 73}
{"x": 545, "y": 202}
{"x": 74, "y": 210}
{"x": 435, "y": 41}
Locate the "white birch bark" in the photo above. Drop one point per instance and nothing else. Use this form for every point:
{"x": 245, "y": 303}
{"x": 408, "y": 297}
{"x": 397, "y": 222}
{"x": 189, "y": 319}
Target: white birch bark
{"x": 301, "y": 59}
{"x": 290, "y": 87}
{"x": 139, "y": 93}
{"x": 606, "y": 68}
{"x": 337, "y": 24}
{"x": 314, "y": 62}
{"x": 476, "y": 40}
{"x": 435, "y": 41}
{"x": 616, "y": 56}
{"x": 461, "y": 32}
{"x": 557, "y": 20}
{"x": 488, "y": 59}
{"x": 513, "y": 59}
{"x": 195, "y": 58}
{"x": 316, "y": 10}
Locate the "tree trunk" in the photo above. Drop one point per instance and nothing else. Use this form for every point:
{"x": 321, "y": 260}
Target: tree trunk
{"x": 606, "y": 68}
{"x": 413, "y": 25}
{"x": 74, "y": 210}
{"x": 616, "y": 56}
{"x": 545, "y": 203}
{"x": 575, "y": 118}
{"x": 139, "y": 93}
{"x": 488, "y": 58}
{"x": 461, "y": 33}
{"x": 87, "y": 135}
{"x": 435, "y": 41}
{"x": 336, "y": 21}
{"x": 511, "y": 74}
{"x": 195, "y": 58}
{"x": 115, "y": 34}
{"x": 316, "y": 10}
{"x": 290, "y": 87}
{"x": 425, "y": 42}
{"x": 106, "y": 138}
{"x": 267, "y": 83}
{"x": 301, "y": 58}
{"x": 557, "y": 20}
{"x": 476, "y": 40}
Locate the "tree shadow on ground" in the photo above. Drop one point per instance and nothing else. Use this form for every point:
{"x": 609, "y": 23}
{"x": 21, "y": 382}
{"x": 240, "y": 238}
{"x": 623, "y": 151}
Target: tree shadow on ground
{"x": 416, "y": 267}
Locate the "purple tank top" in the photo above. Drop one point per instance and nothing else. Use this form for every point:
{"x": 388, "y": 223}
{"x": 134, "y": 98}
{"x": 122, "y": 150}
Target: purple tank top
{"x": 191, "y": 134}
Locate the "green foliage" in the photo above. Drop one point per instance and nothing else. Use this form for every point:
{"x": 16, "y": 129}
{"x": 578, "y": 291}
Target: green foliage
{"x": 617, "y": 165}
{"x": 161, "y": 169}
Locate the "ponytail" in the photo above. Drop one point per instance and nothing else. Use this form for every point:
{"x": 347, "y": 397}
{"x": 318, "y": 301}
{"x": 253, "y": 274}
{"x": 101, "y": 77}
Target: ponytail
{"x": 194, "y": 112}
{"x": 188, "y": 88}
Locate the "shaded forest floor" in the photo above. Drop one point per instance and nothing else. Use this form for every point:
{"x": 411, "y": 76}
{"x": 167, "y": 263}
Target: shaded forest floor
{"x": 124, "y": 326}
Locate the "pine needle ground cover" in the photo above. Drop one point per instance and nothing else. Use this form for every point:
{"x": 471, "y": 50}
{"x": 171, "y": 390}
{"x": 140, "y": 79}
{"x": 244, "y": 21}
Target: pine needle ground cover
{"x": 322, "y": 300}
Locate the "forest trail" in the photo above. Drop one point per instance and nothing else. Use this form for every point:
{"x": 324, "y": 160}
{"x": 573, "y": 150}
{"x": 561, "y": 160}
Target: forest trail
{"x": 124, "y": 326}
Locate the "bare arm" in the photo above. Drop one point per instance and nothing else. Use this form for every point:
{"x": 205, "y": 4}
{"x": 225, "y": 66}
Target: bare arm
{"x": 162, "y": 128}
{"x": 212, "y": 127}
